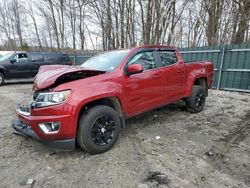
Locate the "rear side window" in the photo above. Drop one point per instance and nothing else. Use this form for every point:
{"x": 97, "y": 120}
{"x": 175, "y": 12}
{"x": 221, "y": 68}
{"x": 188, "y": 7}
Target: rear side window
{"x": 64, "y": 58}
{"x": 168, "y": 57}
{"x": 57, "y": 58}
{"x": 36, "y": 57}
{"x": 52, "y": 59}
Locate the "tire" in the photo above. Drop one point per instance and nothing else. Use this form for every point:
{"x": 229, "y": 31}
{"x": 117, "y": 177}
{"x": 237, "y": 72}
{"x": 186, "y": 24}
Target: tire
{"x": 98, "y": 129}
{"x": 2, "y": 79}
{"x": 196, "y": 102}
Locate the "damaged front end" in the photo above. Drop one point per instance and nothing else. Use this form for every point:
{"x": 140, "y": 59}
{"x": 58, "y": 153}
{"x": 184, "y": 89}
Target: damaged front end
{"x": 51, "y": 76}
{"x": 44, "y": 99}
{"x": 26, "y": 130}
{"x": 34, "y": 122}
{"x": 42, "y": 128}
{"x": 48, "y": 118}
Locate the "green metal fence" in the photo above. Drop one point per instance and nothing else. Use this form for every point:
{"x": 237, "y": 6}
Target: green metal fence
{"x": 232, "y": 64}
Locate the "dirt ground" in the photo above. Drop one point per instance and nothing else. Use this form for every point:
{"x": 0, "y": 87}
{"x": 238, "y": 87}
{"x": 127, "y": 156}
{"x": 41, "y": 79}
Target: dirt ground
{"x": 167, "y": 147}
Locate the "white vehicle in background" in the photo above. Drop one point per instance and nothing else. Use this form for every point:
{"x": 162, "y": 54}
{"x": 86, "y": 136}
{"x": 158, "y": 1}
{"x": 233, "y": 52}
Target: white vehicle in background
{"x": 2, "y": 53}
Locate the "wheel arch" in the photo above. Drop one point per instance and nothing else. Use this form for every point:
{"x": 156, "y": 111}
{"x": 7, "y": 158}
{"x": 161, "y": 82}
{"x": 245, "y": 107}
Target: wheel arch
{"x": 2, "y": 71}
{"x": 112, "y": 102}
{"x": 202, "y": 81}
{"x": 3, "y": 75}
{"x": 195, "y": 80}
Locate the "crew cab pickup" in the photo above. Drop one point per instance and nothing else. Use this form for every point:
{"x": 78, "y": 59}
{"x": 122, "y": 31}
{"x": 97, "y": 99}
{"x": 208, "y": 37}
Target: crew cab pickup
{"x": 89, "y": 104}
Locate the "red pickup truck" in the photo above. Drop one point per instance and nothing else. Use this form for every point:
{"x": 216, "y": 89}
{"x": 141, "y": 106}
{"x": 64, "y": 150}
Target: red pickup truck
{"x": 89, "y": 104}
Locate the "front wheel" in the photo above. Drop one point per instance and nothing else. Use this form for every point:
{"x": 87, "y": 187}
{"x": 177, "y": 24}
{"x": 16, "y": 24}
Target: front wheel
{"x": 99, "y": 129}
{"x": 1, "y": 79}
{"x": 196, "y": 102}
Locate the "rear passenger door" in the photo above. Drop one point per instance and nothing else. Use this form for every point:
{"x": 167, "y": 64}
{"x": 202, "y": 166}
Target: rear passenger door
{"x": 173, "y": 74}
{"x": 37, "y": 59}
{"x": 53, "y": 59}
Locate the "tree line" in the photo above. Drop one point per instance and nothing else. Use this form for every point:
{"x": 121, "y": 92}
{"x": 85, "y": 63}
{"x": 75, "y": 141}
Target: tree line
{"x": 111, "y": 24}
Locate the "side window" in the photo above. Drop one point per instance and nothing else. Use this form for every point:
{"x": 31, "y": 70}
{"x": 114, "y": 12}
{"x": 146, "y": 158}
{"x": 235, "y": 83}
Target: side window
{"x": 52, "y": 59}
{"x": 146, "y": 59}
{"x": 61, "y": 59}
{"x": 21, "y": 58}
{"x": 168, "y": 58}
{"x": 36, "y": 57}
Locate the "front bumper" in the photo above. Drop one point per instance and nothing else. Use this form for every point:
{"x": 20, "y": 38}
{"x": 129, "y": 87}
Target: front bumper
{"x": 65, "y": 145}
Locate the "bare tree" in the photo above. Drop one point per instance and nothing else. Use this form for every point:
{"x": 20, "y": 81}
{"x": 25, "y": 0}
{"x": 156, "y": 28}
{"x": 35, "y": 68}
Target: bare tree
{"x": 54, "y": 23}
{"x": 241, "y": 21}
{"x": 214, "y": 10}
{"x": 71, "y": 14}
{"x": 110, "y": 24}
{"x": 32, "y": 15}
{"x": 5, "y": 23}
{"x": 81, "y": 15}
{"x": 16, "y": 19}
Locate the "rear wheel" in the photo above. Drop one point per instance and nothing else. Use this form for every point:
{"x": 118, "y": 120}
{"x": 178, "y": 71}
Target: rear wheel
{"x": 196, "y": 102}
{"x": 1, "y": 79}
{"x": 99, "y": 129}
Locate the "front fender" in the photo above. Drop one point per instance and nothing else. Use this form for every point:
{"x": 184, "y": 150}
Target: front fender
{"x": 94, "y": 91}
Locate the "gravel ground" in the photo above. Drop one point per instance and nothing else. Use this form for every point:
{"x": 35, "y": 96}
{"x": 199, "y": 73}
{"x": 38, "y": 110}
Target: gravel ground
{"x": 167, "y": 147}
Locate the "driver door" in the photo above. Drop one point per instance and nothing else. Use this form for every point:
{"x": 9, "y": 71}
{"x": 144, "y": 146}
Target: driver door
{"x": 21, "y": 67}
{"x": 144, "y": 90}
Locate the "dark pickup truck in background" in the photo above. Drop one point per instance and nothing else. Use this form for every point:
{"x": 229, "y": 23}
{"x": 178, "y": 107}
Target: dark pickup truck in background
{"x": 26, "y": 64}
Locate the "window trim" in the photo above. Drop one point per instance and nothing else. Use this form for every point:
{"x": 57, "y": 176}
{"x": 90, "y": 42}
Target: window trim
{"x": 17, "y": 54}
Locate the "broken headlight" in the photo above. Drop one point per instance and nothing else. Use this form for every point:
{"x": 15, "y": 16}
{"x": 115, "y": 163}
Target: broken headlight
{"x": 51, "y": 98}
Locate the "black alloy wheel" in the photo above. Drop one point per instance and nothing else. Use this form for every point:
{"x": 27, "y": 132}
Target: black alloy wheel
{"x": 98, "y": 130}
{"x": 102, "y": 131}
{"x": 200, "y": 99}
{"x": 196, "y": 102}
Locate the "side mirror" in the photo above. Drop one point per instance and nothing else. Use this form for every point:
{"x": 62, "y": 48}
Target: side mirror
{"x": 13, "y": 61}
{"x": 134, "y": 68}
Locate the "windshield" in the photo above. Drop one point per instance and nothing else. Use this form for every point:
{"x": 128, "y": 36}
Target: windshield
{"x": 6, "y": 57}
{"x": 106, "y": 61}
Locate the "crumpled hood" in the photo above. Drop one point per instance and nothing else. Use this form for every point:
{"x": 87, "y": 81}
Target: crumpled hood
{"x": 49, "y": 74}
